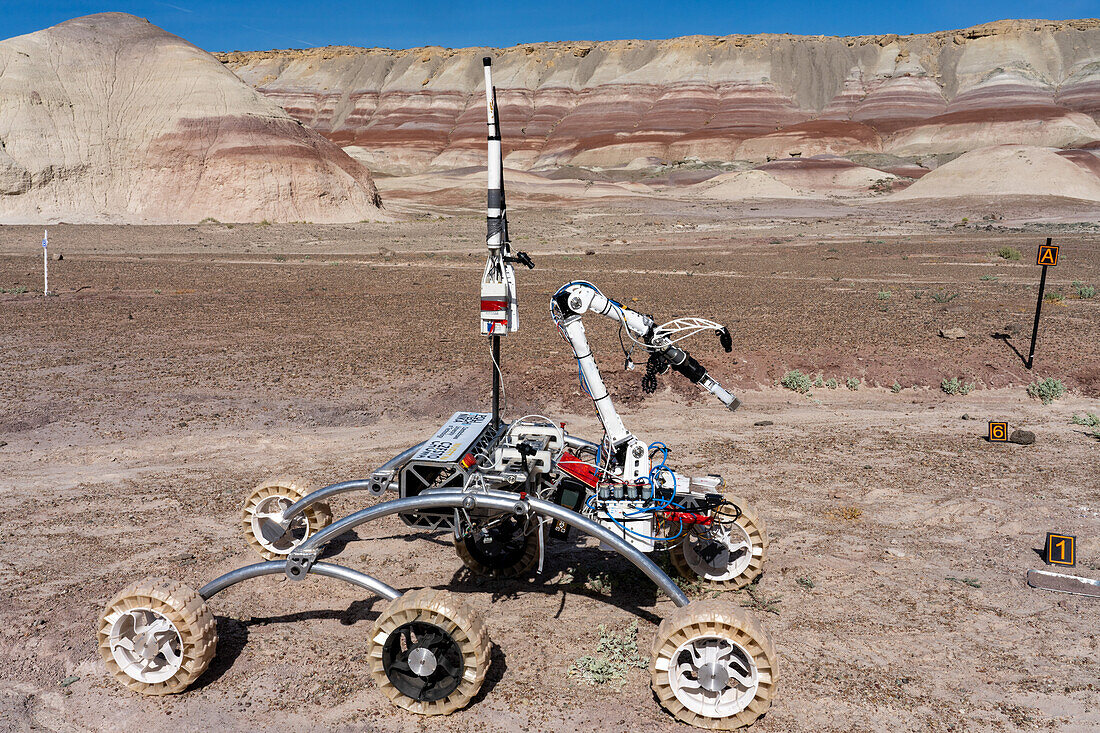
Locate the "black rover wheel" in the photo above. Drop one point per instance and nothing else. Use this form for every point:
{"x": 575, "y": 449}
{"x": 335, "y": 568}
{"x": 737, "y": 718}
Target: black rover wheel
{"x": 429, "y": 652}
{"x": 501, "y": 550}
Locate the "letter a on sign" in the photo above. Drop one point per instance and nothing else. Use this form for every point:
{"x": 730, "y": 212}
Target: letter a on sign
{"x": 1048, "y": 254}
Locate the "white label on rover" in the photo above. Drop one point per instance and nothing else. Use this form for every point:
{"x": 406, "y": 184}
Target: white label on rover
{"x": 454, "y": 439}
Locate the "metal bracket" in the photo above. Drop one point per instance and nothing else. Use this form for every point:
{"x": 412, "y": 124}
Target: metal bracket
{"x": 299, "y": 563}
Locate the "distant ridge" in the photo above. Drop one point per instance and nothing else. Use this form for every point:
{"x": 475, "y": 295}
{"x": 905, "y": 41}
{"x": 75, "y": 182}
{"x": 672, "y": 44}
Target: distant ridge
{"x": 744, "y": 97}
{"x": 108, "y": 118}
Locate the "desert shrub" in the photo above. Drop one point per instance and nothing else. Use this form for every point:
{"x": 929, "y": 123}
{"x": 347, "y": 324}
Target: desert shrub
{"x": 884, "y": 295}
{"x": 796, "y": 381}
{"x": 896, "y": 388}
{"x": 989, "y": 278}
{"x": 615, "y": 654}
{"x": 1054, "y": 297}
{"x": 852, "y": 383}
{"x": 1084, "y": 291}
{"x": 831, "y": 383}
{"x": 956, "y": 386}
{"x": 1089, "y": 420}
{"x": 944, "y": 297}
{"x": 818, "y": 381}
{"x": 1008, "y": 253}
{"x": 1046, "y": 390}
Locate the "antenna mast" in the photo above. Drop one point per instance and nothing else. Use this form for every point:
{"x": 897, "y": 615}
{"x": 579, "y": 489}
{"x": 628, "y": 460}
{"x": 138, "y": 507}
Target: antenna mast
{"x": 499, "y": 309}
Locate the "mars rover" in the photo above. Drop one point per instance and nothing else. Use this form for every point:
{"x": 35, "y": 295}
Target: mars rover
{"x": 504, "y": 489}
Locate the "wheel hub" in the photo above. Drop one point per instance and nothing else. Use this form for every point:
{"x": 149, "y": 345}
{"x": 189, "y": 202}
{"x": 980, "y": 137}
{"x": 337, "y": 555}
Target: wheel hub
{"x": 721, "y": 557}
{"x": 422, "y": 661}
{"x": 146, "y": 645}
{"x": 272, "y": 531}
{"x": 713, "y": 677}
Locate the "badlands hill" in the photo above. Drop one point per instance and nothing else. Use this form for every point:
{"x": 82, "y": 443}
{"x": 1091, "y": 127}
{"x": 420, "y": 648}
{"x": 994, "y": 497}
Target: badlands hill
{"x": 108, "y": 118}
{"x": 910, "y": 100}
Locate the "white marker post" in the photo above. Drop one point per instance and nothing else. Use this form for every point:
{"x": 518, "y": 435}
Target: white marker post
{"x": 45, "y": 264}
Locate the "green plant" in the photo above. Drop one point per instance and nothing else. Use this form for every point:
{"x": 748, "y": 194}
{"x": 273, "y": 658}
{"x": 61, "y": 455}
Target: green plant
{"x": 955, "y": 386}
{"x": 1054, "y": 297}
{"x": 852, "y": 383}
{"x": 280, "y": 258}
{"x": 209, "y": 220}
{"x": 615, "y": 654}
{"x": 895, "y": 388}
{"x": 944, "y": 297}
{"x": 806, "y": 583}
{"x": 987, "y": 278}
{"x": 884, "y": 295}
{"x": 1008, "y": 253}
{"x": 972, "y": 582}
{"x": 17, "y": 290}
{"x": 831, "y": 383}
{"x": 796, "y": 381}
{"x": 1084, "y": 291}
{"x": 819, "y": 382}
{"x": 758, "y": 601}
{"x": 1089, "y": 419}
{"x": 1046, "y": 390}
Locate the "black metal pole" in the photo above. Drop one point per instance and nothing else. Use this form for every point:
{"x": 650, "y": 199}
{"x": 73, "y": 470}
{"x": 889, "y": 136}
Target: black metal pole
{"x": 497, "y": 376}
{"x": 1038, "y": 310}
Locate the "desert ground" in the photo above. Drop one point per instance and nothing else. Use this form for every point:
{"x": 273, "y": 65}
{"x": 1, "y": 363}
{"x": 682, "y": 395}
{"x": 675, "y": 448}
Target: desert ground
{"x": 178, "y": 366}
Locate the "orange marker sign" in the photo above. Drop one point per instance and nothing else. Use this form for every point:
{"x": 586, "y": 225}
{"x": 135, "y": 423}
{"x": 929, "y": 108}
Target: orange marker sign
{"x": 1048, "y": 255}
{"x": 1061, "y": 549}
{"x": 998, "y": 432}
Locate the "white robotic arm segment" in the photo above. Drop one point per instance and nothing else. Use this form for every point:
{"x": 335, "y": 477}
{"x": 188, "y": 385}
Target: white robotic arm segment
{"x": 578, "y": 298}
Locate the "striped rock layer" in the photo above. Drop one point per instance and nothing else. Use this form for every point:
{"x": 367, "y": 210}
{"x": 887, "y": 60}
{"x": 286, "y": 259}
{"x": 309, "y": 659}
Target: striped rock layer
{"x": 108, "y": 118}
{"x": 714, "y": 98}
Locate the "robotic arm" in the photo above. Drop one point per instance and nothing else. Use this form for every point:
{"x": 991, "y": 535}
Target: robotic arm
{"x": 572, "y": 301}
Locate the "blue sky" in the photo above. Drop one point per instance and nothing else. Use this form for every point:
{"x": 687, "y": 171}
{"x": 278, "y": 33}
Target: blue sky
{"x": 263, "y": 24}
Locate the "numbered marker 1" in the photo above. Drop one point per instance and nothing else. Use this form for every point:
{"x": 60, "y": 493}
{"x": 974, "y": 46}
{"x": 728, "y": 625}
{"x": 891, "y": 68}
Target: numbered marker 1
{"x": 1061, "y": 549}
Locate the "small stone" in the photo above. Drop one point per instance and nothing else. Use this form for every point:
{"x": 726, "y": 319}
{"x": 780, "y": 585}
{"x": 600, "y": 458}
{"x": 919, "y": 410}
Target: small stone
{"x": 895, "y": 553}
{"x": 763, "y": 423}
{"x": 3, "y": 443}
{"x": 60, "y": 257}
{"x": 590, "y": 252}
{"x": 181, "y": 424}
{"x": 965, "y": 416}
{"x": 952, "y": 333}
{"x": 1022, "y": 437}
{"x": 68, "y": 681}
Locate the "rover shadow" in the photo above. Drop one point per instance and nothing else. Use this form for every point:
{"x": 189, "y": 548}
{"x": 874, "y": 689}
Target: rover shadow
{"x": 584, "y": 571}
{"x": 233, "y": 633}
{"x": 498, "y": 665}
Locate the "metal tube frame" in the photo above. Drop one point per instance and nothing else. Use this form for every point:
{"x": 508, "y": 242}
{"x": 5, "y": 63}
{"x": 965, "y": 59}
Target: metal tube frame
{"x": 372, "y": 485}
{"x": 302, "y": 560}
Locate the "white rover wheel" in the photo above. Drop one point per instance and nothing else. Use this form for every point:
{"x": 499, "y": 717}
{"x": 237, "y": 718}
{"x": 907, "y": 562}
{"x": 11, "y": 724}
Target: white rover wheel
{"x": 713, "y": 666}
{"x": 731, "y": 560}
{"x": 508, "y": 553}
{"x": 157, "y": 636}
{"x": 266, "y": 536}
{"x": 429, "y": 652}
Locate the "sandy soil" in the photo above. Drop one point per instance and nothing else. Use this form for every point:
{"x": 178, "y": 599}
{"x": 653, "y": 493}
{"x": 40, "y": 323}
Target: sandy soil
{"x": 180, "y": 366}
